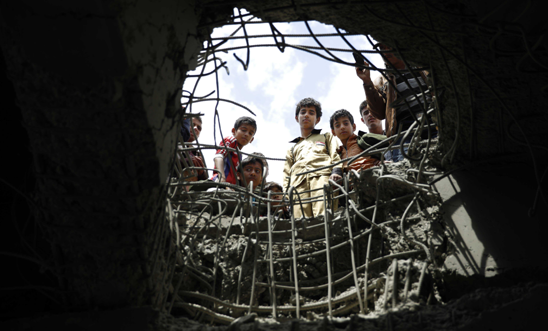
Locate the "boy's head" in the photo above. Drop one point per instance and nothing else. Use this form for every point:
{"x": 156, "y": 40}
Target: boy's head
{"x": 195, "y": 129}
{"x": 265, "y": 163}
{"x": 252, "y": 170}
{"x": 275, "y": 188}
{"x": 244, "y": 130}
{"x": 374, "y": 125}
{"x": 308, "y": 112}
{"x": 342, "y": 124}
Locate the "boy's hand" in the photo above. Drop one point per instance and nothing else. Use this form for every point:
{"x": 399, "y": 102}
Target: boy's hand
{"x": 198, "y": 162}
{"x": 223, "y": 180}
{"x": 335, "y": 177}
{"x": 364, "y": 74}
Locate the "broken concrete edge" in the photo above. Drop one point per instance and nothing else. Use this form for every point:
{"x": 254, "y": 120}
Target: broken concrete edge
{"x": 492, "y": 308}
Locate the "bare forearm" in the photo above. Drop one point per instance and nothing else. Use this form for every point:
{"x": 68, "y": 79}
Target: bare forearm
{"x": 220, "y": 166}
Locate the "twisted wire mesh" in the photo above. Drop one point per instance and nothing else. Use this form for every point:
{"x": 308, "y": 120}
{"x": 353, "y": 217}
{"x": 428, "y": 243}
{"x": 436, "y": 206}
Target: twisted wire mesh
{"x": 265, "y": 237}
{"x": 268, "y": 235}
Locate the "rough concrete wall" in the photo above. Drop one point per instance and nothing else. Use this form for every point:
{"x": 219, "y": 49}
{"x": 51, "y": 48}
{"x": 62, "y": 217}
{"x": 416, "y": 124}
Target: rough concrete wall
{"x": 493, "y": 232}
{"x": 99, "y": 86}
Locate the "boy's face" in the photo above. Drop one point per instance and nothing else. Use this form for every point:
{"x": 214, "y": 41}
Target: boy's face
{"x": 275, "y": 196}
{"x": 371, "y": 121}
{"x": 244, "y": 135}
{"x": 307, "y": 117}
{"x": 197, "y": 126}
{"x": 342, "y": 128}
{"x": 253, "y": 172}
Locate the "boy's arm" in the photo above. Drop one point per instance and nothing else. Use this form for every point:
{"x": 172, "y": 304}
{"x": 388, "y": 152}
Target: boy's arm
{"x": 220, "y": 165}
{"x": 219, "y": 158}
{"x": 287, "y": 169}
{"x": 376, "y": 103}
{"x": 336, "y": 172}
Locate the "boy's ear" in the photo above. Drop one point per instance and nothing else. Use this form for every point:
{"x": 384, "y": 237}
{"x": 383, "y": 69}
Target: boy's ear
{"x": 251, "y": 140}
{"x": 353, "y": 127}
{"x": 297, "y": 119}
{"x": 363, "y": 121}
{"x": 233, "y": 131}
{"x": 333, "y": 132}
{"x": 318, "y": 120}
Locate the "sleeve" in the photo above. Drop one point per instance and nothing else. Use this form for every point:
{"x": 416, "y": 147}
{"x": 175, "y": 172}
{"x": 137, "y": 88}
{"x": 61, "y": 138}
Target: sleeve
{"x": 333, "y": 154}
{"x": 375, "y": 101}
{"x": 185, "y": 129}
{"x": 287, "y": 169}
{"x": 229, "y": 142}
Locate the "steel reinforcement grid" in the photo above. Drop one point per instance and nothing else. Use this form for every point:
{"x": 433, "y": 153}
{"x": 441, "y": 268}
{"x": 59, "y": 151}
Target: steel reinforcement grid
{"x": 273, "y": 241}
{"x": 193, "y": 211}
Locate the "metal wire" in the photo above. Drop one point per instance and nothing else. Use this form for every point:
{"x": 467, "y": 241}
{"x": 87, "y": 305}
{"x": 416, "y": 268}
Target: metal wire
{"x": 282, "y": 246}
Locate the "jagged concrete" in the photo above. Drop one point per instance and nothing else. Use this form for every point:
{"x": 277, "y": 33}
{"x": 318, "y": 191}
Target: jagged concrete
{"x": 101, "y": 117}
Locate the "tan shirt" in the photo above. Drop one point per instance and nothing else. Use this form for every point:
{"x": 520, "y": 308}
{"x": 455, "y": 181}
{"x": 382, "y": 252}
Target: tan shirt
{"x": 316, "y": 151}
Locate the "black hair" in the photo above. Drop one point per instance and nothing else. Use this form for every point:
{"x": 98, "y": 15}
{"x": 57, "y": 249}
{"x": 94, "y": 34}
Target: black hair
{"x": 264, "y": 161}
{"x": 199, "y": 118}
{"x": 270, "y": 185}
{"x": 252, "y": 160}
{"x": 338, "y": 114}
{"x": 245, "y": 120}
{"x": 309, "y": 102}
{"x": 362, "y": 106}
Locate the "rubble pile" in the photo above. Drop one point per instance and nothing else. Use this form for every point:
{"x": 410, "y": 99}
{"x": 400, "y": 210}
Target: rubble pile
{"x": 387, "y": 233}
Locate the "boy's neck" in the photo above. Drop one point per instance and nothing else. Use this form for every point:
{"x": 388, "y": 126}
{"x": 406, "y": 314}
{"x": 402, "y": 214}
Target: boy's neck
{"x": 237, "y": 143}
{"x": 305, "y": 133}
{"x": 346, "y": 140}
{"x": 377, "y": 131}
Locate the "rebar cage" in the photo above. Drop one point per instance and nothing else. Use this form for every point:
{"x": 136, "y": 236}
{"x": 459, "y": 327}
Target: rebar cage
{"x": 241, "y": 254}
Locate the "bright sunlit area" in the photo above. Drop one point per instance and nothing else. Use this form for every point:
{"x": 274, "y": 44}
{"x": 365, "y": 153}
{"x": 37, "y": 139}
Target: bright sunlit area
{"x": 274, "y": 83}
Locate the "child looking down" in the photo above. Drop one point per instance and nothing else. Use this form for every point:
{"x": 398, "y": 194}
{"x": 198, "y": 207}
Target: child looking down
{"x": 227, "y": 162}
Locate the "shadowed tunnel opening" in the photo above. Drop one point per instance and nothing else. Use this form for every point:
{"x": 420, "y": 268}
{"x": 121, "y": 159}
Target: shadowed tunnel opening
{"x": 102, "y": 146}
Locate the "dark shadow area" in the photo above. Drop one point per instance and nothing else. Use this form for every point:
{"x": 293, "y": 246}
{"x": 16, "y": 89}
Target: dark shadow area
{"x": 26, "y": 285}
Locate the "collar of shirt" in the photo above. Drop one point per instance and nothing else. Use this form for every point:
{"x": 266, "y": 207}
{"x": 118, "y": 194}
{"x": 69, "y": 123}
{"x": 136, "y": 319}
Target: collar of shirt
{"x": 314, "y": 131}
{"x": 361, "y": 133}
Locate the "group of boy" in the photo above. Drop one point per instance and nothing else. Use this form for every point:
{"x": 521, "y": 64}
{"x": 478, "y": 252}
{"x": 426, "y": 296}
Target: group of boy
{"x": 314, "y": 154}
{"x": 315, "y": 158}
{"x": 400, "y": 97}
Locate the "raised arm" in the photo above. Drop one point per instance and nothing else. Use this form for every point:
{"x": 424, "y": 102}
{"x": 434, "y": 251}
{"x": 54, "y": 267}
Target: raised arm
{"x": 375, "y": 101}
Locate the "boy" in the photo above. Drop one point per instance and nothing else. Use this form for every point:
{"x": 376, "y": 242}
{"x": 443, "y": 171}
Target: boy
{"x": 227, "y": 161}
{"x": 251, "y": 171}
{"x": 374, "y": 125}
{"x": 312, "y": 150}
{"x": 275, "y": 188}
{"x": 195, "y": 159}
{"x": 277, "y": 194}
{"x": 388, "y": 102}
{"x": 343, "y": 126}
